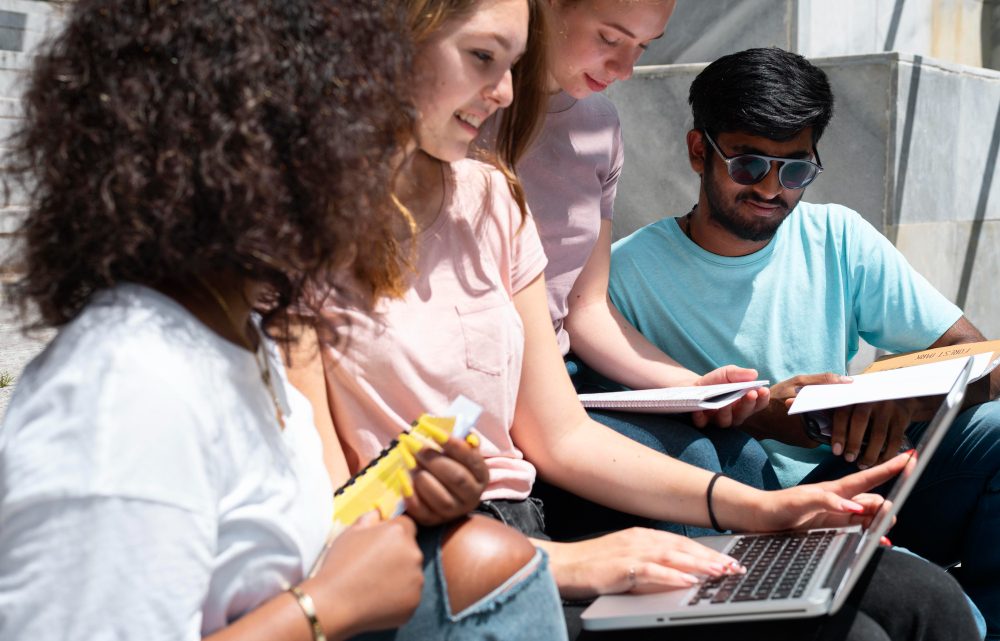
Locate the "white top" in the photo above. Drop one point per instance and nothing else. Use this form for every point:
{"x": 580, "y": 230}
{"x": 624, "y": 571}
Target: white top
{"x": 146, "y": 489}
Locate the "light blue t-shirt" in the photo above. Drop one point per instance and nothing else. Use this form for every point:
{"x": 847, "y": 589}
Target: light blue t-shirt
{"x": 797, "y": 306}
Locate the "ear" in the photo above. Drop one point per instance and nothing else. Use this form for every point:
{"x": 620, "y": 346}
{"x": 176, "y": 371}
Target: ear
{"x": 696, "y": 151}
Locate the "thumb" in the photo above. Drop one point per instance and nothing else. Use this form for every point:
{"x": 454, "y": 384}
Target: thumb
{"x": 368, "y": 519}
{"x": 728, "y": 374}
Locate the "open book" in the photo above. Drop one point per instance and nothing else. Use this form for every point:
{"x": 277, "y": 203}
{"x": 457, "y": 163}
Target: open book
{"x": 931, "y": 379}
{"x": 671, "y": 400}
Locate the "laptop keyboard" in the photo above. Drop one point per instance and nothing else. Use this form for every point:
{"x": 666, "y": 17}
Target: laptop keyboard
{"x": 779, "y": 566}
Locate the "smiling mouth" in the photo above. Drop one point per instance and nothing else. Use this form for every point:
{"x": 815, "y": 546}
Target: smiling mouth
{"x": 595, "y": 85}
{"x": 470, "y": 120}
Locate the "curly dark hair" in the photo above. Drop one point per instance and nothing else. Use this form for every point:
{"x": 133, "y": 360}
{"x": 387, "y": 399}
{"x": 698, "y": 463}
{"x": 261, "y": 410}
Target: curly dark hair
{"x": 168, "y": 138}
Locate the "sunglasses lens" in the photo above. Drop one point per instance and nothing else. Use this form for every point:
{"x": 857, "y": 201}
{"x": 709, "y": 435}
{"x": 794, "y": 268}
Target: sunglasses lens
{"x": 747, "y": 170}
{"x": 797, "y": 174}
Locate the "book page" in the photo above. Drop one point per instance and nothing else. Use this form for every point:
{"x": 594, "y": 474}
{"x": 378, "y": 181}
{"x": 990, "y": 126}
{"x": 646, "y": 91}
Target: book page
{"x": 917, "y": 380}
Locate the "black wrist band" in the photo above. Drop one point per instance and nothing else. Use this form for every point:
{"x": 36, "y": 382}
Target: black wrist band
{"x": 708, "y": 498}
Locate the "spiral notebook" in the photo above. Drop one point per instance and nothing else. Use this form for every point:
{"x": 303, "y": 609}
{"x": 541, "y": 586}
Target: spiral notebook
{"x": 671, "y": 400}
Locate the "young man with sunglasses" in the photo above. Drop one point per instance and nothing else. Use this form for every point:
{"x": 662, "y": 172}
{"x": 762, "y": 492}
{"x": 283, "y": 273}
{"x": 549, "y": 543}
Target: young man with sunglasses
{"x": 755, "y": 276}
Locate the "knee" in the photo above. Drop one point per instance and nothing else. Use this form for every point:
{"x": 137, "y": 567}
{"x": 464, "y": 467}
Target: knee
{"x": 478, "y": 555}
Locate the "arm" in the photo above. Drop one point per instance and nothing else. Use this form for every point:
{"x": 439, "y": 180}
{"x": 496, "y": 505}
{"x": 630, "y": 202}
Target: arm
{"x": 304, "y": 366}
{"x": 603, "y": 338}
{"x": 963, "y": 331}
{"x": 584, "y": 457}
{"x": 884, "y": 423}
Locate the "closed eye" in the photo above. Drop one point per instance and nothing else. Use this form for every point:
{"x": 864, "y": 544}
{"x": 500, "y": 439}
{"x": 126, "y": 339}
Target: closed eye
{"x": 482, "y": 56}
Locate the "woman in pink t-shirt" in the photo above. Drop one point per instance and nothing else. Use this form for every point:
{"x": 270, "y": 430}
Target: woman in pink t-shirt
{"x": 473, "y": 319}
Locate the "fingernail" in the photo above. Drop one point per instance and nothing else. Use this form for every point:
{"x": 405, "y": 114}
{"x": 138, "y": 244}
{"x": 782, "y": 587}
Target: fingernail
{"x": 717, "y": 568}
{"x": 690, "y": 579}
{"x": 736, "y": 566}
{"x": 850, "y": 456}
{"x": 838, "y": 448}
{"x": 472, "y": 440}
{"x": 846, "y": 379}
{"x": 862, "y": 466}
{"x": 851, "y": 506}
{"x": 909, "y": 452}
{"x": 885, "y": 541}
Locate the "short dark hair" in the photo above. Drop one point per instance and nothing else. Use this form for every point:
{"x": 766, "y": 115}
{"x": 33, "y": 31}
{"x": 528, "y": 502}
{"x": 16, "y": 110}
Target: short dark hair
{"x": 167, "y": 139}
{"x": 764, "y": 92}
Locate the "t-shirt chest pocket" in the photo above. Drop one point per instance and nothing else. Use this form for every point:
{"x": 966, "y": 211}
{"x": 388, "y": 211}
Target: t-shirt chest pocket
{"x": 488, "y": 329}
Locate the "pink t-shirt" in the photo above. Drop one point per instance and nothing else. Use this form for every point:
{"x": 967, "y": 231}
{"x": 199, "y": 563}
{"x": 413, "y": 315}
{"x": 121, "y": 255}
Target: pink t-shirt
{"x": 570, "y": 176}
{"x": 455, "y": 331}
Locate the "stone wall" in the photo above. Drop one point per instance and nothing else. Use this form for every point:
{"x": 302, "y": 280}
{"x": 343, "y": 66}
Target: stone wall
{"x": 23, "y": 26}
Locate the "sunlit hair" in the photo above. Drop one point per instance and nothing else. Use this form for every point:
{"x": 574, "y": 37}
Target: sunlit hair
{"x": 520, "y": 122}
{"x": 166, "y": 140}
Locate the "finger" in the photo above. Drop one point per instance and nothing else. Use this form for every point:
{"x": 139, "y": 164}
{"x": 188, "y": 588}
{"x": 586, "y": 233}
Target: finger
{"x": 859, "y": 482}
{"x": 457, "y": 478}
{"x": 469, "y": 457}
{"x": 728, "y": 374}
{"x": 744, "y": 408}
{"x": 856, "y": 429}
{"x": 653, "y": 577}
{"x": 878, "y": 432}
{"x": 826, "y": 378}
{"x": 699, "y": 419}
{"x": 838, "y": 434}
{"x": 441, "y": 501}
{"x": 420, "y": 513}
{"x": 723, "y": 417}
{"x": 897, "y": 433}
{"x": 368, "y": 519}
{"x": 406, "y": 524}
{"x": 690, "y": 564}
{"x": 763, "y": 398}
{"x": 705, "y": 556}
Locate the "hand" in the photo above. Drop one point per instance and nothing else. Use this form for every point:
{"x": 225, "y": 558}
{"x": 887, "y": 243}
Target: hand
{"x": 774, "y": 422}
{"x": 883, "y": 424}
{"x": 636, "y": 560}
{"x": 827, "y": 504}
{"x": 447, "y": 484}
{"x": 371, "y": 578}
{"x": 735, "y": 414}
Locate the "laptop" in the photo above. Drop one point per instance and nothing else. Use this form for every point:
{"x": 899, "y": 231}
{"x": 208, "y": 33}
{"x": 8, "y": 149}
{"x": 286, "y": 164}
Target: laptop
{"x": 789, "y": 574}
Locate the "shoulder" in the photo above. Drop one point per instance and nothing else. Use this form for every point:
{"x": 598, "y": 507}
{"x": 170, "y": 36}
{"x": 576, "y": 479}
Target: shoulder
{"x": 128, "y": 375}
{"x": 481, "y": 189}
{"x": 651, "y": 236}
{"x": 597, "y": 106}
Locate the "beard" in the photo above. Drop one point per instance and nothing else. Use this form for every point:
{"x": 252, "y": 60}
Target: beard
{"x": 754, "y": 229}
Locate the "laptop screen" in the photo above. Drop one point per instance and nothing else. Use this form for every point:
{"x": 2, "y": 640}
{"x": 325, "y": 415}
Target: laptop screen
{"x": 920, "y": 455}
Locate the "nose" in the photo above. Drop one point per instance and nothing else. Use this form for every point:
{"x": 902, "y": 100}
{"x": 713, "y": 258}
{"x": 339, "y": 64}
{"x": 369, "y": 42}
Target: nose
{"x": 622, "y": 64}
{"x": 502, "y": 92}
{"x": 770, "y": 187}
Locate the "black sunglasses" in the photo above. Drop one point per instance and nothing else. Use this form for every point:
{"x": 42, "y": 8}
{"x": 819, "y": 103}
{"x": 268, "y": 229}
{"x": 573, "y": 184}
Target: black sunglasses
{"x": 750, "y": 169}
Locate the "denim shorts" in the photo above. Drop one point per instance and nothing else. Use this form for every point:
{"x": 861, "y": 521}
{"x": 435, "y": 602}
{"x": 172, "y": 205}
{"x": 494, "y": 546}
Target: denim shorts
{"x": 525, "y": 606}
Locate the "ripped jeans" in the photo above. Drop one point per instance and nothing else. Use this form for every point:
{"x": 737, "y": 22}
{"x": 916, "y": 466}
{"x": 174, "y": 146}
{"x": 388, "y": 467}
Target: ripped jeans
{"x": 526, "y": 606}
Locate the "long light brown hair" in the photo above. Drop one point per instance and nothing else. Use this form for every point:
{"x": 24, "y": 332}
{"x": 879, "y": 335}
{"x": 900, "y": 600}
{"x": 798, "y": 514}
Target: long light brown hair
{"x": 520, "y": 122}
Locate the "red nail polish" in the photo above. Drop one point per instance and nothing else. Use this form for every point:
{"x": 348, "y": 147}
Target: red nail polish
{"x": 885, "y": 541}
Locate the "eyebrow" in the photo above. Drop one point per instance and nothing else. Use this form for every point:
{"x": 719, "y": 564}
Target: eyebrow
{"x": 615, "y": 25}
{"x": 501, "y": 40}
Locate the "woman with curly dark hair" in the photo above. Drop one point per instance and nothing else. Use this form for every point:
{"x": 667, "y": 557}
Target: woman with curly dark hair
{"x": 190, "y": 165}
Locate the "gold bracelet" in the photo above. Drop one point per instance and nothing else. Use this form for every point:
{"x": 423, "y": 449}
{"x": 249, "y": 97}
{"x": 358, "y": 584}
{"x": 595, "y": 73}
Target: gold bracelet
{"x": 309, "y": 609}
